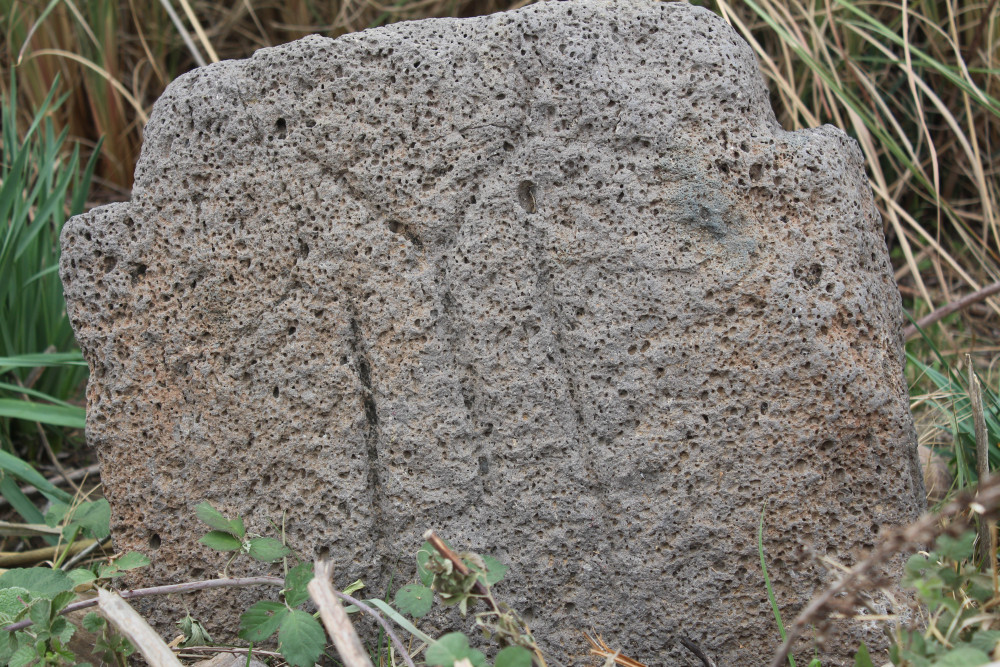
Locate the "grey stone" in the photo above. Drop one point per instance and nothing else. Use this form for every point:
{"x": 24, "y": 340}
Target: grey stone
{"x": 552, "y": 282}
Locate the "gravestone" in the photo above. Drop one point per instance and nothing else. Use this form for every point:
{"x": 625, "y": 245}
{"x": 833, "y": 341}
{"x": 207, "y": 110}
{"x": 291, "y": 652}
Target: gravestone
{"x": 553, "y": 282}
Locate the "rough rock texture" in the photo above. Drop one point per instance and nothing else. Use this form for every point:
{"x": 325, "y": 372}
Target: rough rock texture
{"x": 553, "y": 282}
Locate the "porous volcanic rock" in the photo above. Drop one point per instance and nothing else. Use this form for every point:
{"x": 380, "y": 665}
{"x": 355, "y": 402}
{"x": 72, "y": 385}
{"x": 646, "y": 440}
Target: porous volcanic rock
{"x": 553, "y": 282}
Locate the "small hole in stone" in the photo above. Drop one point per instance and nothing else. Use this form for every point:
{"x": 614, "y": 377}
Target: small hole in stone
{"x": 154, "y": 541}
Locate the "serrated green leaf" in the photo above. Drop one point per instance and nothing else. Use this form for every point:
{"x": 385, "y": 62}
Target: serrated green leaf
{"x": 513, "y": 656}
{"x": 81, "y": 575}
{"x": 267, "y": 549}
{"x": 40, "y": 613}
{"x": 956, "y": 549}
{"x": 23, "y": 656}
{"x": 295, "y": 584}
{"x": 132, "y": 560}
{"x": 301, "y": 639}
{"x": 985, "y": 640}
{"x": 261, "y": 620}
{"x": 217, "y": 521}
{"x": 40, "y": 581}
{"x": 93, "y": 622}
{"x": 452, "y": 647}
{"x": 63, "y": 629}
{"x": 12, "y": 601}
{"x": 495, "y": 570}
{"x": 221, "y": 541}
{"x": 963, "y": 656}
{"x": 415, "y": 600}
{"x": 60, "y": 600}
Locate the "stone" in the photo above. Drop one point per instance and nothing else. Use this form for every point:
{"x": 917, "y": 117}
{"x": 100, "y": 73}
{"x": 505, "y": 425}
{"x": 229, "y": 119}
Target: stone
{"x": 552, "y": 282}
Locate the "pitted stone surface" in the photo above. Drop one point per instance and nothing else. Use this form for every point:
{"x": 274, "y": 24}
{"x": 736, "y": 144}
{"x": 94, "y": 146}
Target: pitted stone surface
{"x": 553, "y": 282}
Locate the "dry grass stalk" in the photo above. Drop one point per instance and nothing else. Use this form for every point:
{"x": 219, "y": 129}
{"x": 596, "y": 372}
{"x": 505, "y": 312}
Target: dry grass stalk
{"x": 335, "y": 619}
{"x": 136, "y": 629}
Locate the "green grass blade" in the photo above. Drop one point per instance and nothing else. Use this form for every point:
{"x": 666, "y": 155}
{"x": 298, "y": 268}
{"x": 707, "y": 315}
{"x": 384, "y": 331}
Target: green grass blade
{"x": 54, "y": 415}
{"x": 11, "y": 465}
{"x": 42, "y": 359}
{"x": 767, "y": 582}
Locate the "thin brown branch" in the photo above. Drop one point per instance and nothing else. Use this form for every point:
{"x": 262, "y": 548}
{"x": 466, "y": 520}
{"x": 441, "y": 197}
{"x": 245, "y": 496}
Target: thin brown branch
{"x": 912, "y": 331}
{"x": 983, "y": 501}
{"x": 694, "y": 648}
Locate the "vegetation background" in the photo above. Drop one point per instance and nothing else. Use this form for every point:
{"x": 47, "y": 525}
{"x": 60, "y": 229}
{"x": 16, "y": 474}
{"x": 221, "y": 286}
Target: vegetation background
{"x": 916, "y": 82}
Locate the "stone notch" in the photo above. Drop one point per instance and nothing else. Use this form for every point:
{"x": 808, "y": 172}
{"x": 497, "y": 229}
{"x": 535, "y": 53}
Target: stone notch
{"x": 552, "y": 282}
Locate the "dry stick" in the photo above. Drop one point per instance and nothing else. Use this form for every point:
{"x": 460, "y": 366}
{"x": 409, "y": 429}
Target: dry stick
{"x": 694, "y": 648}
{"x": 911, "y": 331}
{"x": 982, "y": 454}
{"x": 983, "y": 501}
{"x": 136, "y": 629}
{"x": 338, "y": 626}
{"x": 19, "y": 558}
{"x": 400, "y": 648}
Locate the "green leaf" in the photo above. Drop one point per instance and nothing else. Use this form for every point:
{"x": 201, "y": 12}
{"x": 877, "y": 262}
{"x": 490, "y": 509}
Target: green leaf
{"x": 12, "y": 602}
{"x": 216, "y": 520}
{"x": 261, "y": 620}
{"x": 415, "y": 600}
{"x": 295, "y": 584}
{"x": 23, "y": 656}
{"x": 513, "y": 656}
{"x": 132, "y": 560}
{"x": 54, "y": 415}
{"x": 268, "y": 549}
{"x": 861, "y": 658}
{"x": 57, "y": 512}
{"x": 221, "y": 541}
{"x": 354, "y": 587}
{"x": 93, "y": 622}
{"x": 423, "y": 557}
{"x": 40, "y": 581}
{"x": 93, "y": 517}
{"x": 985, "y": 640}
{"x": 964, "y": 656}
{"x": 60, "y": 600}
{"x": 495, "y": 570}
{"x": 956, "y": 549}
{"x": 452, "y": 647}
{"x": 301, "y": 639}
{"x": 81, "y": 575}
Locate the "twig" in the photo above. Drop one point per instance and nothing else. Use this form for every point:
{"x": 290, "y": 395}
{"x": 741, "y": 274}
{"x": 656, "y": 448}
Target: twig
{"x": 694, "y": 648}
{"x": 45, "y": 442}
{"x": 136, "y": 629}
{"x": 400, "y": 647}
{"x": 19, "y": 558}
{"x": 222, "y": 649}
{"x": 982, "y": 454}
{"x": 188, "y": 587}
{"x": 983, "y": 501}
{"x": 912, "y": 331}
{"x": 84, "y": 553}
{"x": 338, "y": 626}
